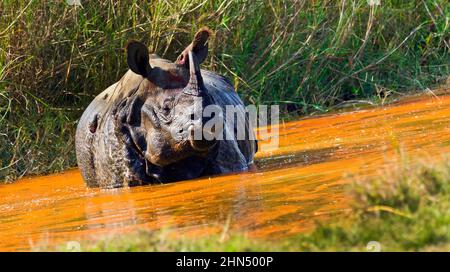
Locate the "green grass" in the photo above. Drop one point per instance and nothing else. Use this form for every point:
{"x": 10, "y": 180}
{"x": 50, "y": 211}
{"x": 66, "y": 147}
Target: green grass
{"x": 304, "y": 55}
{"x": 403, "y": 209}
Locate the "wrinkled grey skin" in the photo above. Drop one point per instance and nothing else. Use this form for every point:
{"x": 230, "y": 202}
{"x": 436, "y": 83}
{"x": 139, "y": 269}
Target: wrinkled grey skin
{"x": 140, "y": 129}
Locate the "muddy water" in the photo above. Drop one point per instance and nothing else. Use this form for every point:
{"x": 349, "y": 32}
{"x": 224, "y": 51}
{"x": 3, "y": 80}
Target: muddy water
{"x": 297, "y": 184}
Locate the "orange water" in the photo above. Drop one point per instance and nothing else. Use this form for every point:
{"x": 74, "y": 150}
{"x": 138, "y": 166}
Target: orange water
{"x": 297, "y": 184}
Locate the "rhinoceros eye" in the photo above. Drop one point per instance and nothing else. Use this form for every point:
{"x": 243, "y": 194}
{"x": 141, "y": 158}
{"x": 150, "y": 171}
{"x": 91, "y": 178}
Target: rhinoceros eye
{"x": 167, "y": 106}
{"x": 166, "y": 109}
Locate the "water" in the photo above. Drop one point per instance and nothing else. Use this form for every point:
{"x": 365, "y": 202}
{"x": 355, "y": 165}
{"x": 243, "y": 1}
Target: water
{"x": 296, "y": 185}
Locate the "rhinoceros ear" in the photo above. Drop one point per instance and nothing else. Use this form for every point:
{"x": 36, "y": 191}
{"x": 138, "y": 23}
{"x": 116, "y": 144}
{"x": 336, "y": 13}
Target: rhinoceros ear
{"x": 199, "y": 46}
{"x": 137, "y": 58}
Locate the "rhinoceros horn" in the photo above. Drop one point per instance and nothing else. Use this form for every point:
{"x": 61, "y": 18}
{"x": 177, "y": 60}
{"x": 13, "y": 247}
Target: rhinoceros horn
{"x": 195, "y": 84}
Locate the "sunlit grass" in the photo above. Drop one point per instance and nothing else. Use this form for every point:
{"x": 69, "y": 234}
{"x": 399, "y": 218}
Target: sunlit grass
{"x": 304, "y": 55}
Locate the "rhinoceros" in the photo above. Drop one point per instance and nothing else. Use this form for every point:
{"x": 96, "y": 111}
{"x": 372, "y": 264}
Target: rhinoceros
{"x": 144, "y": 128}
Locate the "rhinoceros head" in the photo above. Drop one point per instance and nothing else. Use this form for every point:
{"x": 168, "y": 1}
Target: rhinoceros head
{"x": 164, "y": 117}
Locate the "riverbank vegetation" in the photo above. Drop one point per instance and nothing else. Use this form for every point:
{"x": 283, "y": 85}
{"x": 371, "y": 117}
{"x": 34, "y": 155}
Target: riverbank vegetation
{"x": 306, "y": 56}
{"x": 405, "y": 208}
